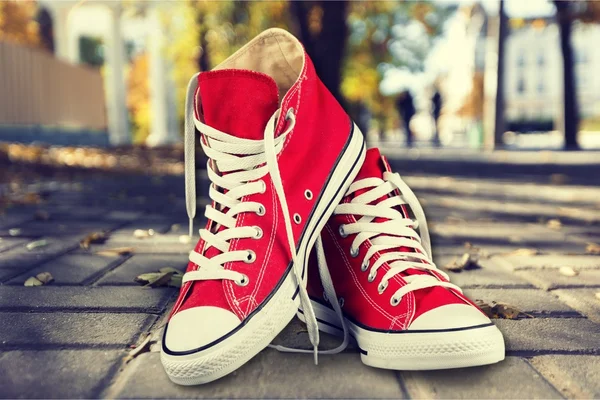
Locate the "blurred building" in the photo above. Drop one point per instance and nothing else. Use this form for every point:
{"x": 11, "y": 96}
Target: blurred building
{"x": 533, "y": 85}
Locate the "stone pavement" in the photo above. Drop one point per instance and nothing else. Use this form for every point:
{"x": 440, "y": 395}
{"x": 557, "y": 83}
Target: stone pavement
{"x": 70, "y": 337}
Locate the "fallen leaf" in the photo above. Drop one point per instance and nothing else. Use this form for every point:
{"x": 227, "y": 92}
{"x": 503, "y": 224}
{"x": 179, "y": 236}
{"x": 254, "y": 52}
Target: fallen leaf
{"x": 568, "y": 271}
{"x": 524, "y": 252}
{"x": 41, "y": 215}
{"x": 117, "y": 251}
{"x": 497, "y": 310}
{"x": 45, "y": 277}
{"x": 468, "y": 261}
{"x": 147, "y": 277}
{"x": 143, "y": 233}
{"x": 169, "y": 269}
{"x": 455, "y": 220}
{"x": 515, "y": 239}
{"x": 176, "y": 281}
{"x": 598, "y": 295}
{"x": 37, "y": 244}
{"x": 93, "y": 238}
{"x": 185, "y": 239}
{"x": 163, "y": 279}
{"x": 593, "y": 248}
{"x": 554, "y": 224}
{"x": 144, "y": 347}
{"x": 33, "y": 281}
{"x": 31, "y": 198}
{"x": 14, "y": 232}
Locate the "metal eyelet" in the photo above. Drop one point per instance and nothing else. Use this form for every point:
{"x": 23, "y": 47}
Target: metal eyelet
{"x": 251, "y": 257}
{"x": 341, "y": 302}
{"x": 259, "y": 232}
{"x": 342, "y": 233}
{"x": 244, "y": 281}
{"x": 394, "y": 301}
{"x": 261, "y": 210}
{"x": 264, "y": 186}
{"x": 308, "y": 194}
{"x": 297, "y": 218}
{"x": 364, "y": 266}
{"x": 289, "y": 112}
{"x": 354, "y": 252}
{"x": 382, "y": 286}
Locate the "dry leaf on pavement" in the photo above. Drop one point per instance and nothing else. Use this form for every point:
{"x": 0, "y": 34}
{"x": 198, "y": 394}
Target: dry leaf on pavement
{"x": 144, "y": 347}
{"x": 14, "y": 232}
{"x": 598, "y": 295}
{"x": 93, "y": 238}
{"x": 592, "y": 248}
{"x": 554, "y": 224}
{"x": 143, "y": 233}
{"x": 468, "y": 261}
{"x": 43, "y": 278}
{"x": 524, "y": 252}
{"x": 37, "y": 244}
{"x": 496, "y": 310}
{"x": 568, "y": 271}
{"x": 117, "y": 251}
{"x": 164, "y": 277}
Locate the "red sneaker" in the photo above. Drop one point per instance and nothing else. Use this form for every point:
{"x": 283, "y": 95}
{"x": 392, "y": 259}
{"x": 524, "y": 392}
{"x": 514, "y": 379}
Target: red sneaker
{"x": 402, "y": 311}
{"x": 278, "y": 169}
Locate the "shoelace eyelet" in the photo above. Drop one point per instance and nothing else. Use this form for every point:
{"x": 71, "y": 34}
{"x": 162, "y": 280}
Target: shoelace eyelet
{"x": 364, "y": 266}
{"x": 264, "y": 187}
{"x": 288, "y": 114}
{"x": 342, "y": 232}
{"x": 259, "y": 232}
{"x": 394, "y": 301}
{"x": 261, "y": 210}
{"x": 297, "y": 218}
{"x": 381, "y": 288}
{"x": 354, "y": 252}
{"x": 308, "y": 194}
{"x": 251, "y": 257}
{"x": 244, "y": 281}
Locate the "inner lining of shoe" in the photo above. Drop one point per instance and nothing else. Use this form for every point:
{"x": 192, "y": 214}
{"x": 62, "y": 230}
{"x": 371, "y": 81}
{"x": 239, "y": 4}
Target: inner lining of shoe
{"x": 278, "y": 55}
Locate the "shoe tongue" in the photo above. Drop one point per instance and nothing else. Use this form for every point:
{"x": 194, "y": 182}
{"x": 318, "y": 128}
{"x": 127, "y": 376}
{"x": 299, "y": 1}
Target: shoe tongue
{"x": 238, "y": 102}
{"x": 373, "y": 167}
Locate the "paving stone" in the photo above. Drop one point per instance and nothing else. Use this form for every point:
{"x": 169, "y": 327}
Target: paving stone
{"x": 268, "y": 375}
{"x": 140, "y": 264}
{"x": 72, "y": 268}
{"x": 36, "y": 330}
{"x": 65, "y": 374}
{"x": 575, "y": 376}
{"x": 20, "y": 258}
{"x": 543, "y": 335}
{"x": 549, "y": 279}
{"x": 489, "y": 275}
{"x": 63, "y": 228}
{"x": 587, "y": 301}
{"x": 70, "y": 298}
{"x": 9, "y": 243}
{"x": 549, "y": 261}
{"x": 512, "y": 378}
{"x": 531, "y": 301}
{"x": 157, "y": 244}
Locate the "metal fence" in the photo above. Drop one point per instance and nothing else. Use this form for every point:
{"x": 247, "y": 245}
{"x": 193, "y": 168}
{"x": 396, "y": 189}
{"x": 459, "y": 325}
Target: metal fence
{"x": 37, "y": 89}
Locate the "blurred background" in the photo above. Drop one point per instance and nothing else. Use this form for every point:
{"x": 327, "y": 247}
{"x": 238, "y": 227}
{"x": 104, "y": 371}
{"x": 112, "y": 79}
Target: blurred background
{"x": 453, "y": 74}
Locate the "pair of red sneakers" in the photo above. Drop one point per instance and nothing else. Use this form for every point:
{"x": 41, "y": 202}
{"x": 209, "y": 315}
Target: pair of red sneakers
{"x": 286, "y": 174}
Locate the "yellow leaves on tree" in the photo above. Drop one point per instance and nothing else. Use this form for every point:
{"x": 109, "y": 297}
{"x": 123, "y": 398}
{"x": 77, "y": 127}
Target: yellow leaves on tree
{"x": 473, "y": 105}
{"x": 17, "y": 22}
{"x": 138, "y": 98}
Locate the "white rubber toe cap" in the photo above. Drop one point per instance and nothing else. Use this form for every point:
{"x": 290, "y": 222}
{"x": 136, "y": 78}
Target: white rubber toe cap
{"x": 449, "y": 317}
{"x": 196, "y": 327}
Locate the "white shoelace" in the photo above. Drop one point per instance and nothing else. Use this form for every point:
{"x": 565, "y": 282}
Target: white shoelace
{"x": 398, "y": 231}
{"x": 237, "y": 166}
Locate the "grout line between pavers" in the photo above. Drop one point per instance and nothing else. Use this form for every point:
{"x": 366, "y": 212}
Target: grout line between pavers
{"x": 40, "y": 262}
{"x": 541, "y": 375}
{"x": 535, "y": 353}
{"x": 65, "y": 310}
{"x": 62, "y": 346}
{"x": 402, "y": 385}
{"x": 92, "y": 280}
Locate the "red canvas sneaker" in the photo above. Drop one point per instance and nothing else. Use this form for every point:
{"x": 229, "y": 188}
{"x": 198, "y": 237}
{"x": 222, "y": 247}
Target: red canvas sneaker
{"x": 278, "y": 169}
{"x": 402, "y": 311}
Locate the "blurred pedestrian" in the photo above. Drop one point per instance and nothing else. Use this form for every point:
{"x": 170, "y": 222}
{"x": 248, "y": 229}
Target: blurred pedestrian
{"x": 436, "y": 102}
{"x": 406, "y": 108}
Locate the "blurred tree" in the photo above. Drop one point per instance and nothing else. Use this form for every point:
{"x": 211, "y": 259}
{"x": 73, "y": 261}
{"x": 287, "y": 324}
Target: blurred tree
{"x": 17, "y": 22}
{"x": 138, "y": 98}
{"x": 46, "y": 30}
{"x": 566, "y": 13}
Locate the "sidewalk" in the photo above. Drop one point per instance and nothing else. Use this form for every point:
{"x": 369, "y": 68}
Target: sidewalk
{"x": 70, "y": 337}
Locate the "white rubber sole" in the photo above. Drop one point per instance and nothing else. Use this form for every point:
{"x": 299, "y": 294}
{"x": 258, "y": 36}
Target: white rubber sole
{"x": 259, "y": 331}
{"x": 414, "y": 351}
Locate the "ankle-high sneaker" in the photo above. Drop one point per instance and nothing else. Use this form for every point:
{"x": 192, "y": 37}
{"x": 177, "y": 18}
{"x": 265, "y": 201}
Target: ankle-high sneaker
{"x": 278, "y": 168}
{"x": 389, "y": 295}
